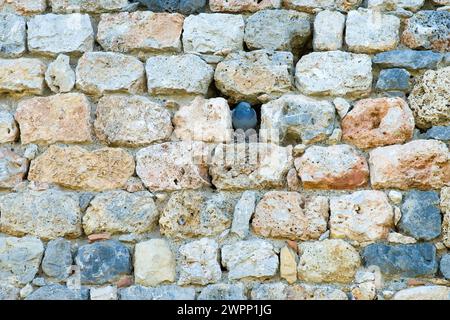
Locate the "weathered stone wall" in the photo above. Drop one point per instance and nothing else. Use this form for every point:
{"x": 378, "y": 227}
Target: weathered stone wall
{"x": 121, "y": 174}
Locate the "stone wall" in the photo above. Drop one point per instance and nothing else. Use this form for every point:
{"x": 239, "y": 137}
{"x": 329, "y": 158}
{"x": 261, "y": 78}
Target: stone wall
{"x": 122, "y": 177}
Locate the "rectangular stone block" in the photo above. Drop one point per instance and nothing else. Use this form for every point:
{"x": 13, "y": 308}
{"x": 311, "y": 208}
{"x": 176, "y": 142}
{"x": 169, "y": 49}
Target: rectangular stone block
{"x": 23, "y": 75}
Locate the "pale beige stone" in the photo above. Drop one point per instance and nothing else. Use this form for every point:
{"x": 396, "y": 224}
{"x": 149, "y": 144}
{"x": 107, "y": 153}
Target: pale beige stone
{"x": 314, "y": 6}
{"x": 23, "y": 7}
{"x": 8, "y": 127}
{"x": 12, "y": 168}
{"x": 67, "y": 6}
{"x": 140, "y": 32}
{"x": 59, "y": 118}
{"x": 173, "y": 166}
{"x": 129, "y": 120}
{"x": 328, "y": 261}
{"x": 250, "y": 166}
{"x": 395, "y": 237}
{"x": 242, "y": 5}
{"x": 283, "y": 214}
{"x": 421, "y": 164}
{"x": 78, "y": 168}
{"x": 154, "y": 263}
{"x": 314, "y": 292}
{"x": 23, "y": 75}
{"x": 59, "y": 75}
{"x": 328, "y": 30}
{"x": 423, "y": 293}
{"x": 288, "y": 264}
{"x": 445, "y": 207}
{"x": 207, "y": 120}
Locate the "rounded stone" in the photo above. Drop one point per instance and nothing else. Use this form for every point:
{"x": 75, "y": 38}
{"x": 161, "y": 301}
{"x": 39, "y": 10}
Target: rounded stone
{"x": 57, "y": 259}
{"x": 445, "y": 266}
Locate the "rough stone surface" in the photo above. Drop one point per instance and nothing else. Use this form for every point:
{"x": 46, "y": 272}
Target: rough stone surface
{"x": 254, "y": 76}
{"x": 265, "y": 166}
{"x": 196, "y": 213}
{"x": 378, "y": 122}
{"x": 8, "y": 127}
{"x": 283, "y": 214}
{"x": 288, "y": 264}
{"x": 409, "y": 260}
{"x": 380, "y": 31}
{"x": 243, "y": 5}
{"x": 286, "y": 30}
{"x": 393, "y": 80}
{"x": 173, "y": 166}
{"x": 298, "y": 119}
{"x": 213, "y": 34}
{"x": 59, "y": 75}
{"x": 67, "y": 6}
{"x": 178, "y": 75}
{"x": 445, "y": 207}
{"x": 223, "y": 291}
{"x": 328, "y": 30}
{"x": 421, "y": 164}
{"x": 23, "y": 75}
{"x": 55, "y": 292}
{"x": 12, "y": 35}
{"x": 57, "y": 259}
{"x": 269, "y": 291}
{"x": 207, "y": 120}
{"x": 170, "y": 292}
{"x": 154, "y": 263}
{"x": 20, "y": 259}
{"x": 52, "y": 34}
{"x": 409, "y": 59}
{"x": 438, "y": 133}
{"x": 392, "y": 5}
{"x": 59, "y": 118}
{"x": 334, "y": 167}
{"x": 121, "y": 212}
{"x": 428, "y": 30}
{"x": 334, "y": 73}
{"x": 199, "y": 263}
{"x": 78, "y": 168}
{"x": 12, "y": 168}
{"x": 105, "y": 72}
{"x": 243, "y": 211}
{"x": 314, "y": 292}
{"x": 318, "y": 5}
{"x": 327, "y": 261}
{"x": 23, "y": 7}
{"x": 185, "y": 7}
{"x": 444, "y": 266}
{"x": 124, "y": 120}
{"x": 421, "y": 217}
{"x": 361, "y": 216}
{"x": 103, "y": 262}
{"x": 429, "y": 99}
{"x": 423, "y": 293}
{"x": 46, "y": 214}
{"x": 250, "y": 259}
{"x": 140, "y": 32}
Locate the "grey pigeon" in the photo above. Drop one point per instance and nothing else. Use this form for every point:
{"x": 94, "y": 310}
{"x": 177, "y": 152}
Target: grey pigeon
{"x": 244, "y": 117}
{"x": 183, "y": 6}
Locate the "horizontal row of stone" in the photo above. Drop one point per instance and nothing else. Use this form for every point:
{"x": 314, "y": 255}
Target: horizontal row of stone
{"x": 362, "y": 216}
{"x": 198, "y": 263}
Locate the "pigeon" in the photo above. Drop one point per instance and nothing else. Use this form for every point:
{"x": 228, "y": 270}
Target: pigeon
{"x": 244, "y": 117}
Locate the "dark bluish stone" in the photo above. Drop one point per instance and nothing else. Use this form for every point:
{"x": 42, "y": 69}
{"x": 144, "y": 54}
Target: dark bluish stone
{"x": 183, "y": 6}
{"x": 408, "y": 260}
{"x": 445, "y": 266}
{"x": 57, "y": 292}
{"x": 393, "y": 79}
{"x": 244, "y": 116}
{"x": 438, "y": 133}
{"x": 409, "y": 59}
{"x": 57, "y": 259}
{"x": 421, "y": 216}
{"x": 103, "y": 261}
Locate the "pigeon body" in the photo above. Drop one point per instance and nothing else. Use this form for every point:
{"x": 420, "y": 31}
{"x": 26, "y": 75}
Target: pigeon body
{"x": 244, "y": 117}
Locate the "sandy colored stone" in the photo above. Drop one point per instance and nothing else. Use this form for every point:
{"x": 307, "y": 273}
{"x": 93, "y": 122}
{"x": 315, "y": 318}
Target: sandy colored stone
{"x": 121, "y": 212}
{"x": 199, "y": 263}
{"x": 190, "y": 214}
{"x": 361, "y": 216}
{"x": 429, "y": 99}
{"x": 378, "y": 122}
{"x": 251, "y": 76}
{"x": 78, "y": 168}
{"x": 67, "y": 6}
{"x": 213, "y": 33}
{"x": 46, "y": 214}
{"x": 328, "y": 30}
{"x": 423, "y": 293}
{"x": 314, "y": 6}
{"x": 8, "y": 127}
{"x": 59, "y": 118}
{"x": 51, "y": 34}
{"x": 173, "y": 166}
{"x": 288, "y": 264}
{"x": 328, "y": 261}
{"x": 265, "y": 166}
{"x": 154, "y": 263}
{"x": 370, "y": 31}
{"x": 131, "y": 120}
{"x": 23, "y": 7}
{"x": 445, "y": 207}
{"x": 185, "y": 74}
{"x": 420, "y": 164}
{"x": 105, "y": 72}
{"x": 59, "y": 75}
{"x": 12, "y": 168}
{"x": 242, "y": 5}
{"x": 314, "y": 292}
{"x": 140, "y": 32}
{"x": 294, "y": 119}
{"x": 243, "y": 211}
{"x": 23, "y": 75}
{"x": 395, "y": 5}
{"x": 334, "y": 73}
{"x": 283, "y": 214}
{"x": 334, "y": 167}
{"x": 396, "y": 237}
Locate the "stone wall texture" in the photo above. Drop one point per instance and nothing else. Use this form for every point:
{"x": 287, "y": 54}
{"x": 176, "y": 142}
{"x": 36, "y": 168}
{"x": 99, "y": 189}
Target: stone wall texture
{"x": 122, "y": 177}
